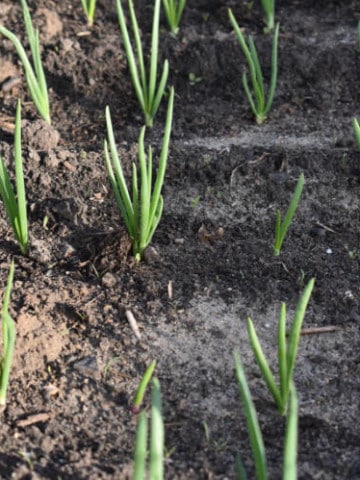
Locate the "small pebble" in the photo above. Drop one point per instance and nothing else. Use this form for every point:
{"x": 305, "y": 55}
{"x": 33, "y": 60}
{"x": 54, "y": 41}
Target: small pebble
{"x": 109, "y": 280}
{"x": 88, "y": 366}
{"x": 151, "y": 255}
{"x": 179, "y": 241}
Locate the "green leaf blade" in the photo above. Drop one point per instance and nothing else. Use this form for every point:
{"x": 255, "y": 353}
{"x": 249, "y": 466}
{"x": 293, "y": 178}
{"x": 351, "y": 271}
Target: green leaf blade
{"x": 256, "y": 440}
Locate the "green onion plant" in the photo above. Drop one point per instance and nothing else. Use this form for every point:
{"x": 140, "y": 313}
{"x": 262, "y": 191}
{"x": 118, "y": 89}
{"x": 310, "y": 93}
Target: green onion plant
{"x": 289, "y": 471}
{"x": 89, "y": 7}
{"x": 281, "y": 227}
{"x": 8, "y": 340}
{"x": 287, "y": 350}
{"x": 142, "y": 212}
{"x": 259, "y": 105}
{"x": 35, "y": 76}
{"x": 16, "y": 207}
{"x": 155, "y": 467}
{"x": 149, "y": 94}
{"x": 356, "y": 128}
{"x": 140, "y": 392}
{"x": 173, "y": 11}
{"x": 268, "y": 7}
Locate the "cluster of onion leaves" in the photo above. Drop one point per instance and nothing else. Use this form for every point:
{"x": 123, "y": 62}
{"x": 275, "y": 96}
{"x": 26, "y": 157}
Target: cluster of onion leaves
{"x": 268, "y": 7}
{"x": 89, "y": 7}
{"x": 260, "y": 102}
{"x": 287, "y": 350}
{"x": 173, "y": 11}
{"x": 142, "y": 210}
{"x": 34, "y": 73}
{"x": 148, "y": 92}
{"x": 15, "y": 199}
{"x": 289, "y": 470}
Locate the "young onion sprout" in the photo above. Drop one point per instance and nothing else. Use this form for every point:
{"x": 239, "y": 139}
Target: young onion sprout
{"x": 35, "y": 76}
{"x": 89, "y": 7}
{"x": 15, "y": 207}
{"x": 281, "y": 227}
{"x": 356, "y": 128}
{"x": 269, "y": 10}
{"x": 142, "y": 212}
{"x": 289, "y": 471}
{"x": 156, "y": 456}
{"x": 8, "y": 340}
{"x": 287, "y": 350}
{"x": 173, "y": 11}
{"x": 259, "y": 105}
{"x": 148, "y": 94}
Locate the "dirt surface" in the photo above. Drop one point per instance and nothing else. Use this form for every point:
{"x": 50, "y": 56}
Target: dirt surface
{"x": 78, "y": 362}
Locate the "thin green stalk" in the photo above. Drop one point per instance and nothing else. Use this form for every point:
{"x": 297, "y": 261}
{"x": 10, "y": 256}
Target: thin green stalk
{"x": 142, "y": 214}
{"x": 291, "y": 438}
{"x": 8, "y": 338}
{"x": 89, "y": 7}
{"x": 286, "y": 351}
{"x": 240, "y": 471}
{"x": 140, "y": 448}
{"x": 21, "y": 218}
{"x": 356, "y": 128}
{"x": 148, "y": 92}
{"x": 259, "y": 102}
{"x": 282, "y": 350}
{"x": 282, "y": 227}
{"x": 35, "y": 76}
{"x": 156, "y": 455}
{"x": 263, "y": 364}
{"x": 173, "y": 11}
{"x": 156, "y": 467}
{"x": 256, "y": 440}
{"x": 16, "y": 208}
{"x": 140, "y": 392}
{"x": 295, "y": 331}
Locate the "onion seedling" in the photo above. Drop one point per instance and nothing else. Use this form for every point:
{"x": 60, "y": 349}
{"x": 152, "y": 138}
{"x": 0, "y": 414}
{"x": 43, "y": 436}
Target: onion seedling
{"x": 268, "y": 7}
{"x": 257, "y": 101}
{"x": 156, "y": 458}
{"x": 140, "y": 392}
{"x": 281, "y": 227}
{"x": 356, "y": 128}
{"x": 149, "y": 96}
{"x": 8, "y": 340}
{"x": 256, "y": 440}
{"x": 142, "y": 213}
{"x": 35, "y": 76}
{"x": 89, "y": 7}
{"x": 286, "y": 351}
{"x": 173, "y": 11}
{"x": 16, "y": 208}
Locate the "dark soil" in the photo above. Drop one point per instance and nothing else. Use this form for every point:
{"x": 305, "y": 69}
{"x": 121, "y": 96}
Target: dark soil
{"x": 78, "y": 362}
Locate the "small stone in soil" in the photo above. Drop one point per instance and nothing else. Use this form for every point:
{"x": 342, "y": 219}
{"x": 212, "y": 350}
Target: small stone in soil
{"x": 88, "y": 366}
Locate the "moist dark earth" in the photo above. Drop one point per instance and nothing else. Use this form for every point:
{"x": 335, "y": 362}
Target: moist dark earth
{"x": 77, "y": 362}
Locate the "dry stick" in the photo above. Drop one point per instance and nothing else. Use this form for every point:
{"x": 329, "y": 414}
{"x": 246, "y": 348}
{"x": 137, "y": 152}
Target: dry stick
{"x": 133, "y": 324}
{"x": 316, "y": 330}
{"x": 32, "y": 419}
{"x": 170, "y": 289}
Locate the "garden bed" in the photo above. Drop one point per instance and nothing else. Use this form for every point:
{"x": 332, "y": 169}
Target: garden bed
{"x": 77, "y": 362}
